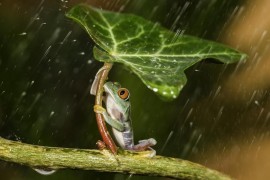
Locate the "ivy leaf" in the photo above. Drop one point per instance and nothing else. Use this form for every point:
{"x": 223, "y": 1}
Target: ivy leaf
{"x": 158, "y": 56}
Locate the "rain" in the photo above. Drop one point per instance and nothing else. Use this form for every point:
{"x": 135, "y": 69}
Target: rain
{"x": 221, "y": 118}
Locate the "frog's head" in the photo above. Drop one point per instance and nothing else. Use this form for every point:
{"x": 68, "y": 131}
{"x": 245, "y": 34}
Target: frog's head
{"x": 119, "y": 95}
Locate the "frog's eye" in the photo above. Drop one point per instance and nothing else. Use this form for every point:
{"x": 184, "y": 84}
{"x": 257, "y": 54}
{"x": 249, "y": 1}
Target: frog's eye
{"x": 123, "y": 93}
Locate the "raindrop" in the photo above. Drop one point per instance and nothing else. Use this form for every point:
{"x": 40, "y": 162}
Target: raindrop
{"x": 257, "y": 103}
{"x": 167, "y": 140}
{"x": 217, "y": 92}
{"x": 82, "y": 53}
{"x": 161, "y": 35}
{"x": 66, "y": 37}
{"x": 154, "y": 59}
{"x": 155, "y": 89}
{"x": 52, "y": 113}
{"x": 23, "y": 34}
{"x": 89, "y": 61}
{"x": 45, "y": 172}
{"x": 23, "y": 93}
{"x": 181, "y": 87}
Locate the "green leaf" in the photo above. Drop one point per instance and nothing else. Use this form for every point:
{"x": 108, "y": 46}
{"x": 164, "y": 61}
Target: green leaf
{"x": 158, "y": 56}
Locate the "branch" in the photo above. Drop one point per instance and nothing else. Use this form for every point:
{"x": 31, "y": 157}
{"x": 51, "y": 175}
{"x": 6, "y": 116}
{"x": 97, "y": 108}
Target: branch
{"x": 124, "y": 162}
{"x": 107, "y": 139}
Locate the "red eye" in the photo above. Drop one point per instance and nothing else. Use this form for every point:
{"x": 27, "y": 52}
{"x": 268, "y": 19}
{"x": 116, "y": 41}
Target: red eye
{"x": 123, "y": 93}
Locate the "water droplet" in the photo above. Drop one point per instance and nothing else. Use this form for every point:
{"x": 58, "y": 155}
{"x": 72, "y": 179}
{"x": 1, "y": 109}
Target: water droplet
{"x": 257, "y": 103}
{"x": 52, "y": 113}
{"x": 45, "y": 172}
{"x": 23, "y": 34}
{"x": 23, "y": 93}
{"x": 82, "y": 53}
{"x": 89, "y": 61}
{"x": 155, "y": 89}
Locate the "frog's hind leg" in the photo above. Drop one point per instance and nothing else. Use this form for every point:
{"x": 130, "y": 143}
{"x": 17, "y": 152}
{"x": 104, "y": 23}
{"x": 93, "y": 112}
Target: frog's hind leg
{"x": 146, "y": 145}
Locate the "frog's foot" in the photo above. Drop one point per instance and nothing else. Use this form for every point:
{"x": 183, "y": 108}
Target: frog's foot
{"x": 150, "y": 141}
{"x": 146, "y": 145}
{"x": 101, "y": 145}
{"x": 99, "y": 109}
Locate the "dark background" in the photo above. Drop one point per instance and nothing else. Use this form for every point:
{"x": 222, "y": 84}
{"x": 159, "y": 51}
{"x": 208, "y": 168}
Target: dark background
{"x": 46, "y": 69}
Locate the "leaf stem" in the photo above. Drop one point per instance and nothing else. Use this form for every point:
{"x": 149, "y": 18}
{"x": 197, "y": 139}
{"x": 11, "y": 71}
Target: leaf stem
{"x": 124, "y": 162}
{"x": 107, "y": 139}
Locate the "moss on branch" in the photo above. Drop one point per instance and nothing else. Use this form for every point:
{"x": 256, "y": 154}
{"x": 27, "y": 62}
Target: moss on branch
{"x": 123, "y": 162}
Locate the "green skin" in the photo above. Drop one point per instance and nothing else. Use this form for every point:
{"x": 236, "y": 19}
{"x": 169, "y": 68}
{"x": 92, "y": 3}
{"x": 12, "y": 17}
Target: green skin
{"x": 117, "y": 115}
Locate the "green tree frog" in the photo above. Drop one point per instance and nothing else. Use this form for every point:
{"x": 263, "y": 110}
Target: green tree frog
{"x": 117, "y": 115}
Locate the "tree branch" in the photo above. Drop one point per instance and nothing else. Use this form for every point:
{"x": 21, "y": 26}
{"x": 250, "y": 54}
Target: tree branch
{"x": 125, "y": 162}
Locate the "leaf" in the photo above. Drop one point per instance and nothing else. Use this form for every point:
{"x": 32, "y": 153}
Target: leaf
{"x": 158, "y": 56}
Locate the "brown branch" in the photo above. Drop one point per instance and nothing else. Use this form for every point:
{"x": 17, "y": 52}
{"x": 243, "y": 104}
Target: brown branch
{"x": 107, "y": 139}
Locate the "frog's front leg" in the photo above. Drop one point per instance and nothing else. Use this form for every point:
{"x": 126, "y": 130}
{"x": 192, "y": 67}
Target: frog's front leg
{"x": 112, "y": 122}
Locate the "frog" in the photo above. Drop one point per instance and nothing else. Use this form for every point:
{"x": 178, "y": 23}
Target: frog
{"x": 117, "y": 115}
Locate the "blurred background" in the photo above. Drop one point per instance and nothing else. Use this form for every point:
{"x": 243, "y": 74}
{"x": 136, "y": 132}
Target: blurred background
{"x": 220, "y": 119}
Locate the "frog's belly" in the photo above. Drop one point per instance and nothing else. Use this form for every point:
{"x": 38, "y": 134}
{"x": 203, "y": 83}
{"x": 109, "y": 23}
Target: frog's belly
{"x": 124, "y": 139}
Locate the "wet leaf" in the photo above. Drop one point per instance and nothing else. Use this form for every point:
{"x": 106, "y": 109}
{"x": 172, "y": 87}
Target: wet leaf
{"x": 158, "y": 56}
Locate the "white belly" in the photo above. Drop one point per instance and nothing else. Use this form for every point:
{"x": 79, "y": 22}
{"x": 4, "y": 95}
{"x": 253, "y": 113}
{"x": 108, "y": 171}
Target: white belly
{"x": 119, "y": 137}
